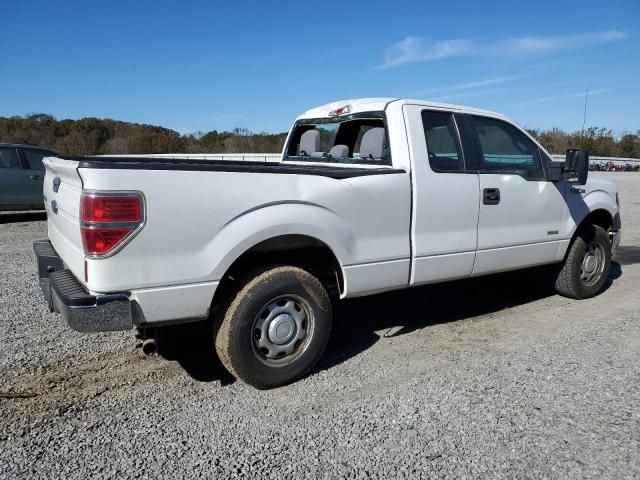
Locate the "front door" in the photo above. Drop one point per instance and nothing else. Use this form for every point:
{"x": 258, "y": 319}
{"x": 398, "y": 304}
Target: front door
{"x": 520, "y": 221}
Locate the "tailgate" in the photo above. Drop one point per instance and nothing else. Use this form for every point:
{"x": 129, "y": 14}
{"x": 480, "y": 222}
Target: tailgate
{"x": 62, "y": 190}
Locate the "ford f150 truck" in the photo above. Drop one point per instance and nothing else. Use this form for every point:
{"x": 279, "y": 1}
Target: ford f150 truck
{"x": 369, "y": 195}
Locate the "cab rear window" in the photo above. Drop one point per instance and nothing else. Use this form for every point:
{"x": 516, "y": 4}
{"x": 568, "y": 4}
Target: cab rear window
{"x": 350, "y": 139}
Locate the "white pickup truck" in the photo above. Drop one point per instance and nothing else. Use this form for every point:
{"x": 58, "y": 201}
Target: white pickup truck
{"x": 370, "y": 195}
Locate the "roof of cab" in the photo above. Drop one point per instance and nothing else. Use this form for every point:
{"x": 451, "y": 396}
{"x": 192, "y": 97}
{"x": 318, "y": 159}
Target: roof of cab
{"x": 359, "y": 105}
{"x": 24, "y": 145}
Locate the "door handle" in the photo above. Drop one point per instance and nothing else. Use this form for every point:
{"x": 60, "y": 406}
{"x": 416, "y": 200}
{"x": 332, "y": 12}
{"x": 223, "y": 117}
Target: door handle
{"x": 491, "y": 196}
{"x": 35, "y": 177}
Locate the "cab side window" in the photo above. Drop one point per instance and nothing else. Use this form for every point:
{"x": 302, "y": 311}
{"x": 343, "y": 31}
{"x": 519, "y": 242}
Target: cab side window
{"x": 505, "y": 149}
{"x": 443, "y": 144}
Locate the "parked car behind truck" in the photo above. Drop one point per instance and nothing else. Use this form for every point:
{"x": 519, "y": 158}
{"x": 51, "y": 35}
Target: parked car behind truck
{"x": 370, "y": 195}
{"x": 21, "y": 176}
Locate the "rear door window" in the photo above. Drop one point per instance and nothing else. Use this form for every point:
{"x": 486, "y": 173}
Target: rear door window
{"x": 443, "y": 144}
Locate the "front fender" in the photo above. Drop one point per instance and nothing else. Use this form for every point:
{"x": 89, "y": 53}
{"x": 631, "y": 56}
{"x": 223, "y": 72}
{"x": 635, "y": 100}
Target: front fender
{"x": 272, "y": 220}
{"x": 581, "y": 206}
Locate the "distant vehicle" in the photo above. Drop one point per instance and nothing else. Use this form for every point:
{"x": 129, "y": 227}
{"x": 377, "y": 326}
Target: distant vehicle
{"x": 370, "y": 195}
{"x": 618, "y": 167}
{"x": 21, "y": 176}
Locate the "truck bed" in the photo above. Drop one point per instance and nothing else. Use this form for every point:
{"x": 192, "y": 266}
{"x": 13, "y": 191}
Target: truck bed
{"x": 201, "y": 215}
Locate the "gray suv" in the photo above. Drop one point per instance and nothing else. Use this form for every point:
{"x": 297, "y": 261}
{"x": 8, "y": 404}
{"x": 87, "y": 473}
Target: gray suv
{"x": 21, "y": 176}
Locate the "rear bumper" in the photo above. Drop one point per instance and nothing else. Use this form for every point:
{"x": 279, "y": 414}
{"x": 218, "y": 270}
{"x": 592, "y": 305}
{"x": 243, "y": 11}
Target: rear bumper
{"x": 66, "y": 295}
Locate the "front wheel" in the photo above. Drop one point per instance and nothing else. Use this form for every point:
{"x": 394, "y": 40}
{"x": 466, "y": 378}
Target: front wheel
{"x": 586, "y": 265}
{"x": 276, "y": 328}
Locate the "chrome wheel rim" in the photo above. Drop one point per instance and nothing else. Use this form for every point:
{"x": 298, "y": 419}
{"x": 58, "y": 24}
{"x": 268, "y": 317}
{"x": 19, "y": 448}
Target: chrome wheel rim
{"x": 282, "y": 330}
{"x": 592, "y": 265}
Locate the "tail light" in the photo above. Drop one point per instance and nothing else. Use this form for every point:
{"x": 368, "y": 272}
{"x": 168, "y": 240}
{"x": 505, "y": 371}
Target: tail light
{"x": 109, "y": 220}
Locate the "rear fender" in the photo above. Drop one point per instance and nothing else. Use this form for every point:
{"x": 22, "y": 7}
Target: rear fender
{"x": 273, "y": 220}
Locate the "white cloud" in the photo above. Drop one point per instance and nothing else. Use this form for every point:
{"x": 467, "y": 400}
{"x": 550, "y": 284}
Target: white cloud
{"x": 415, "y": 49}
{"x": 540, "y": 45}
{"x": 412, "y": 49}
{"x": 453, "y": 96}
{"x": 469, "y": 85}
{"x": 562, "y": 97}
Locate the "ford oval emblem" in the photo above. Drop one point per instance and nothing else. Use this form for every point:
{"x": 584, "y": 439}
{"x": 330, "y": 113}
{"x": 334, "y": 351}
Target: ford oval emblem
{"x": 54, "y": 206}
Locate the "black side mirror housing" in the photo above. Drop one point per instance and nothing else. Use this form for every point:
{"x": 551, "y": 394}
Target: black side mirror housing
{"x": 576, "y": 166}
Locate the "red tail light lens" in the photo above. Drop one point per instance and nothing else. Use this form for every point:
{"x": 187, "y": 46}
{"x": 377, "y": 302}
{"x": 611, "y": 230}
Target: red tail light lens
{"x": 108, "y": 219}
{"x": 111, "y": 209}
{"x": 98, "y": 241}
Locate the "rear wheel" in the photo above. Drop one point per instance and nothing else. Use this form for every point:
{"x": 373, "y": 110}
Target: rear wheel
{"x": 276, "y": 328}
{"x": 587, "y": 264}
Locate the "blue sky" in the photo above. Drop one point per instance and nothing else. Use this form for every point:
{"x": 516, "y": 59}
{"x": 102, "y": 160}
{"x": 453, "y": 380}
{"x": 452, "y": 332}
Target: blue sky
{"x": 201, "y": 65}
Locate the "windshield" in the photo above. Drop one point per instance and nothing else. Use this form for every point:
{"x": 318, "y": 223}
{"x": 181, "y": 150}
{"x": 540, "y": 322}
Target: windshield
{"x": 359, "y": 138}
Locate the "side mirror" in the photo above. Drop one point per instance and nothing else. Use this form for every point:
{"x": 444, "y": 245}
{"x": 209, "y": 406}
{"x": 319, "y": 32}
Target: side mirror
{"x": 576, "y": 166}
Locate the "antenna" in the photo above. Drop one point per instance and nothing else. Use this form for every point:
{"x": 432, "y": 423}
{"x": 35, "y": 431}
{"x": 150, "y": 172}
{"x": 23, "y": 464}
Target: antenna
{"x": 584, "y": 116}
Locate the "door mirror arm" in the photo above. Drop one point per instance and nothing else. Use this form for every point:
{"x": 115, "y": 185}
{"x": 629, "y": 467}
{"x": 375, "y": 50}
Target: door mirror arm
{"x": 555, "y": 171}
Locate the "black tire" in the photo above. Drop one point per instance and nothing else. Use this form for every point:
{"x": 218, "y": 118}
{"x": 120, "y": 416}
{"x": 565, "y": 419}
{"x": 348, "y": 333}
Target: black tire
{"x": 576, "y": 279}
{"x": 244, "y": 331}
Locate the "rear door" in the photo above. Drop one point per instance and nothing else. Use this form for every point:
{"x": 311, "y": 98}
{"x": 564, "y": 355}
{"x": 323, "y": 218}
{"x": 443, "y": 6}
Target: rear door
{"x": 14, "y": 180}
{"x": 521, "y": 213}
{"x": 32, "y": 158}
{"x": 445, "y": 195}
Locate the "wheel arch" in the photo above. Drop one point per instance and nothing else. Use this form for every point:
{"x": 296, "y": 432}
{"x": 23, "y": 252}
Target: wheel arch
{"x": 600, "y": 216}
{"x": 299, "y": 250}
{"x": 595, "y": 208}
{"x": 282, "y": 226}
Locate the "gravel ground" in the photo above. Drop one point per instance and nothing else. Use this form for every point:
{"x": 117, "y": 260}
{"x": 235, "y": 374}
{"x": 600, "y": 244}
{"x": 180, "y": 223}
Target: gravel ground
{"x": 495, "y": 377}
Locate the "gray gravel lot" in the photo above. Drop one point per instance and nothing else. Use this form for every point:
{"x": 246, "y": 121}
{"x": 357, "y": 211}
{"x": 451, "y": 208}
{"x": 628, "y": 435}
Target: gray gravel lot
{"x": 495, "y": 377}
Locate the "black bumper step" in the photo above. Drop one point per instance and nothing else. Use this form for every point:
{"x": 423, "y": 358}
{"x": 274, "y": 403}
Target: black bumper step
{"x": 69, "y": 290}
{"x": 48, "y": 259}
{"x": 53, "y": 276}
{"x": 66, "y": 295}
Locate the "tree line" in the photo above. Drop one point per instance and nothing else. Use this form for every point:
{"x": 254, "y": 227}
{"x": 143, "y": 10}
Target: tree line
{"x": 599, "y": 141}
{"x": 96, "y": 136}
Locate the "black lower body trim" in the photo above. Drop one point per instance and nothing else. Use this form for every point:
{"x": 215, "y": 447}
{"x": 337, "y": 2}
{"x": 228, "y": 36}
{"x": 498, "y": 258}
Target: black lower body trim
{"x": 83, "y": 311}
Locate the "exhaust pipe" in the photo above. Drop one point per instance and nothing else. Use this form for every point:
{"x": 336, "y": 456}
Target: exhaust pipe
{"x": 149, "y": 346}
